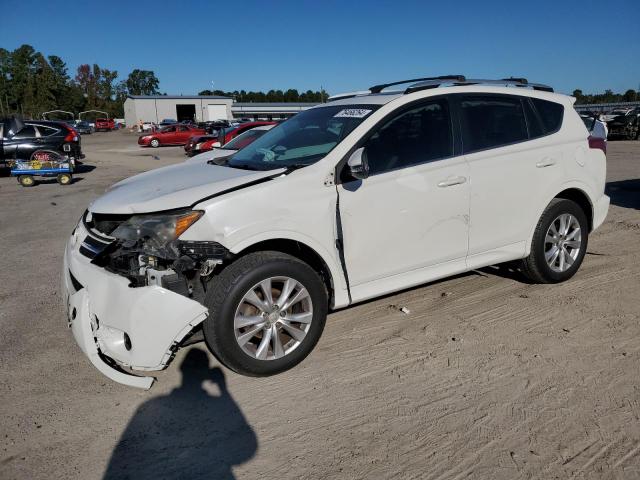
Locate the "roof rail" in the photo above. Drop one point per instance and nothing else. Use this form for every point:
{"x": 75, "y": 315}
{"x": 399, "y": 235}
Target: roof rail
{"x": 515, "y": 80}
{"x": 512, "y": 81}
{"x": 382, "y": 86}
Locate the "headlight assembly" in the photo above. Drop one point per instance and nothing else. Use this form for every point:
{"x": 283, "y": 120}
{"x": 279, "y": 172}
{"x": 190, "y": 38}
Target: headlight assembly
{"x": 153, "y": 233}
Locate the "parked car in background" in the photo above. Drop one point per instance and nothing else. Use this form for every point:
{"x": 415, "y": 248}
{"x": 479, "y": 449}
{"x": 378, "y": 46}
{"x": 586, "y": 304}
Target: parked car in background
{"x": 194, "y": 144}
{"x": 19, "y": 140}
{"x": 348, "y": 201}
{"x": 625, "y": 126}
{"x": 149, "y": 126}
{"x": 607, "y": 117}
{"x": 168, "y": 121}
{"x": 230, "y": 148}
{"x": 83, "y": 127}
{"x": 227, "y": 134}
{"x": 105, "y": 124}
{"x": 212, "y": 127}
{"x": 171, "y": 135}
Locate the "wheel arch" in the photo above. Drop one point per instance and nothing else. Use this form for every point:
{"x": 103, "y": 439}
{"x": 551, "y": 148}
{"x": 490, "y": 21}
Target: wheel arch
{"x": 582, "y": 199}
{"x": 302, "y": 251}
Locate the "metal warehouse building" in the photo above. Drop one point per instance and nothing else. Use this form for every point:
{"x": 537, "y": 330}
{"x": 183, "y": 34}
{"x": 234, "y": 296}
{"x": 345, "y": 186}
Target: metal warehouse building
{"x": 268, "y": 111}
{"x": 155, "y": 108}
{"x": 201, "y": 108}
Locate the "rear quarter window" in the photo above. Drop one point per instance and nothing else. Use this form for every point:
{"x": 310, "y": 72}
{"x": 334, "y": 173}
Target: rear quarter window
{"x": 550, "y": 114}
{"x": 46, "y": 131}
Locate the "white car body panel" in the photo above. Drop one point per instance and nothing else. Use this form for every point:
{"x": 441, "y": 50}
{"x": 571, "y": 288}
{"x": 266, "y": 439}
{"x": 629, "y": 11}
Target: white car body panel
{"x": 399, "y": 229}
{"x": 400, "y": 197}
{"x": 172, "y": 187}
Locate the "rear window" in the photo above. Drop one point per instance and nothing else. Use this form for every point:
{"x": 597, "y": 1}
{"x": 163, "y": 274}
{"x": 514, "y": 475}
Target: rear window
{"x": 490, "y": 121}
{"x": 550, "y": 113}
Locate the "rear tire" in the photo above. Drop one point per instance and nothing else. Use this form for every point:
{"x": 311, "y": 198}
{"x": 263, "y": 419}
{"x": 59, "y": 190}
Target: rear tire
{"x": 26, "y": 180}
{"x": 559, "y": 243}
{"x": 272, "y": 340}
{"x": 155, "y": 143}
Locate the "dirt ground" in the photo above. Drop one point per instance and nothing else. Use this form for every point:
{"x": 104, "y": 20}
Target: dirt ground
{"x": 487, "y": 377}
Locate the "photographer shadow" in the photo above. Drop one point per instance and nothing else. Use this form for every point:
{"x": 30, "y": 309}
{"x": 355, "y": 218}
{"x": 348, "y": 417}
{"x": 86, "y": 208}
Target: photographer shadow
{"x": 187, "y": 433}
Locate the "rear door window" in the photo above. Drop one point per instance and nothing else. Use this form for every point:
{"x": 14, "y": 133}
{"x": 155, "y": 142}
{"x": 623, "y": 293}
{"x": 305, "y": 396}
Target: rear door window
{"x": 27, "y": 132}
{"x": 491, "y": 121}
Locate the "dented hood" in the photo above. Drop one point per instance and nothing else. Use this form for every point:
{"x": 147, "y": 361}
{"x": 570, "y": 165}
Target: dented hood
{"x": 174, "y": 186}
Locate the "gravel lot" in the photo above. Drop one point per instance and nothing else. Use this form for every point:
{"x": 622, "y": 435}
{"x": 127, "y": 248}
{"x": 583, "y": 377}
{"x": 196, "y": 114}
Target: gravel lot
{"x": 487, "y": 376}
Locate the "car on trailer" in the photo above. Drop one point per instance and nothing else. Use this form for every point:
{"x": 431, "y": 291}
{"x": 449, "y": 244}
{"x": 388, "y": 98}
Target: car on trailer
{"x": 20, "y": 139}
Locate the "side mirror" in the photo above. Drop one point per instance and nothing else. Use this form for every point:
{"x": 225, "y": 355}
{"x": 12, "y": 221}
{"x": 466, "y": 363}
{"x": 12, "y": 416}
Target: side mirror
{"x": 358, "y": 164}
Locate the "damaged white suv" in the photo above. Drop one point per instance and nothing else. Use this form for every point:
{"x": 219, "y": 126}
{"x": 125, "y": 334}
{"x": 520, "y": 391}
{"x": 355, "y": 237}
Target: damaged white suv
{"x": 356, "y": 198}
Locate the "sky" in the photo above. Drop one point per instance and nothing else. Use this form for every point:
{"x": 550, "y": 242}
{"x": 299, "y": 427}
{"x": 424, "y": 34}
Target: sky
{"x": 338, "y": 45}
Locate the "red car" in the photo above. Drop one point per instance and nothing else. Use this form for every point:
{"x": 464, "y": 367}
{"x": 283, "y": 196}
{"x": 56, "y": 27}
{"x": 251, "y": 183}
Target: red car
{"x": 171, "y": 135}
{"x": 105, "y": 124}
{"x": 230, "y": 134}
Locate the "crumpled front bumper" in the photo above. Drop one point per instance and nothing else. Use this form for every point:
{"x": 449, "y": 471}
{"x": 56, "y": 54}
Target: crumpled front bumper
{"x": 117, "y": 325}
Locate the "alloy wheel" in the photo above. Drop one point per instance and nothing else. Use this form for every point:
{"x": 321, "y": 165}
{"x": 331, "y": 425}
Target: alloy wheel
{"x": 562, "y": 242}
{"x": 273, "y": 318}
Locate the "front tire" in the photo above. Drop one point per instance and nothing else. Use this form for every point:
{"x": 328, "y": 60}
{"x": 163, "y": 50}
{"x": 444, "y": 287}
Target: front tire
{"x": 247, "y": 329}
{"x": 64, "y": 179}
{"x": 559, "y": 243}
{"x": 155, "y": 143}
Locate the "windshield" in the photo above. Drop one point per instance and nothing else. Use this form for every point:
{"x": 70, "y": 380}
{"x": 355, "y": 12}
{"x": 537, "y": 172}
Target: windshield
{"x": 303, "y": 139}
{"x": 244, "y": 139}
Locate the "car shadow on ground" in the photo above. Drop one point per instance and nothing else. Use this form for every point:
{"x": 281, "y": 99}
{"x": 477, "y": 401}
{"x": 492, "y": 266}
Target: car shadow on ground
{"x": 187, "y": 433}
{"x": 624, "y": 193}
{"x": 82, "y": 167}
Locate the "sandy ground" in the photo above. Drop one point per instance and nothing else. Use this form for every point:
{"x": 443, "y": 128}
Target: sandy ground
{"x": 487, "y": 376}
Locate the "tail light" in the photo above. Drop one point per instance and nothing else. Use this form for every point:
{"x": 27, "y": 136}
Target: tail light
{"x": 597, "y": 142}
{"x": 72, "y": 136}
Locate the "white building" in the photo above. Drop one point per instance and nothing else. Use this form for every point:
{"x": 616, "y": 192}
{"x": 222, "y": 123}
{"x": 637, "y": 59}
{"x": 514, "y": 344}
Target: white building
{"x": 203, "y": 108}
{"x": 155, "y": 108}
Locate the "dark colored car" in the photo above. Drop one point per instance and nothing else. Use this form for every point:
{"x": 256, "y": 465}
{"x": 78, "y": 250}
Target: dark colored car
{"x": 106, "y": 124}
{"x": 626, "y": 126}
{"x": 19, "y": 140}
{"x": 82, "y": 127}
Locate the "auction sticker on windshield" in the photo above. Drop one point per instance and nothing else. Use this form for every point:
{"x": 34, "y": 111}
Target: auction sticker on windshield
{"x": 353, "y": 113}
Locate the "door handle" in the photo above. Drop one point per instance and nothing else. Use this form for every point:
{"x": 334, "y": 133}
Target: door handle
{"x": 450, "y": 182}
{"x": 546, "y": 163}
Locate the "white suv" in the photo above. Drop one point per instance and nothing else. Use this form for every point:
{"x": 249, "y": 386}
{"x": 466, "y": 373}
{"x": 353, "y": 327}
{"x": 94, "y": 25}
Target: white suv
{"x": 353, "y": 199}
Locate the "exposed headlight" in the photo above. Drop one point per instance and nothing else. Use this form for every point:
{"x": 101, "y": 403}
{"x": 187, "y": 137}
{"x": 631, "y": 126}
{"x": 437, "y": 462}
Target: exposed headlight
{"x": 152, "y": 233}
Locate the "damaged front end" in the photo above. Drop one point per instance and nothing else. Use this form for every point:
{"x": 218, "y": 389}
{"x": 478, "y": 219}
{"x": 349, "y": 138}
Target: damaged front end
{"x": 146, "y": 250}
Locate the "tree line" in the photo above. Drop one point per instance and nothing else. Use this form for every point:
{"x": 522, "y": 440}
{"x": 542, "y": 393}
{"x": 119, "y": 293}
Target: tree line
{"x": 607, "y": 97}
{"x": 31, "y": 84}
{"x": 287, "y": 96}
